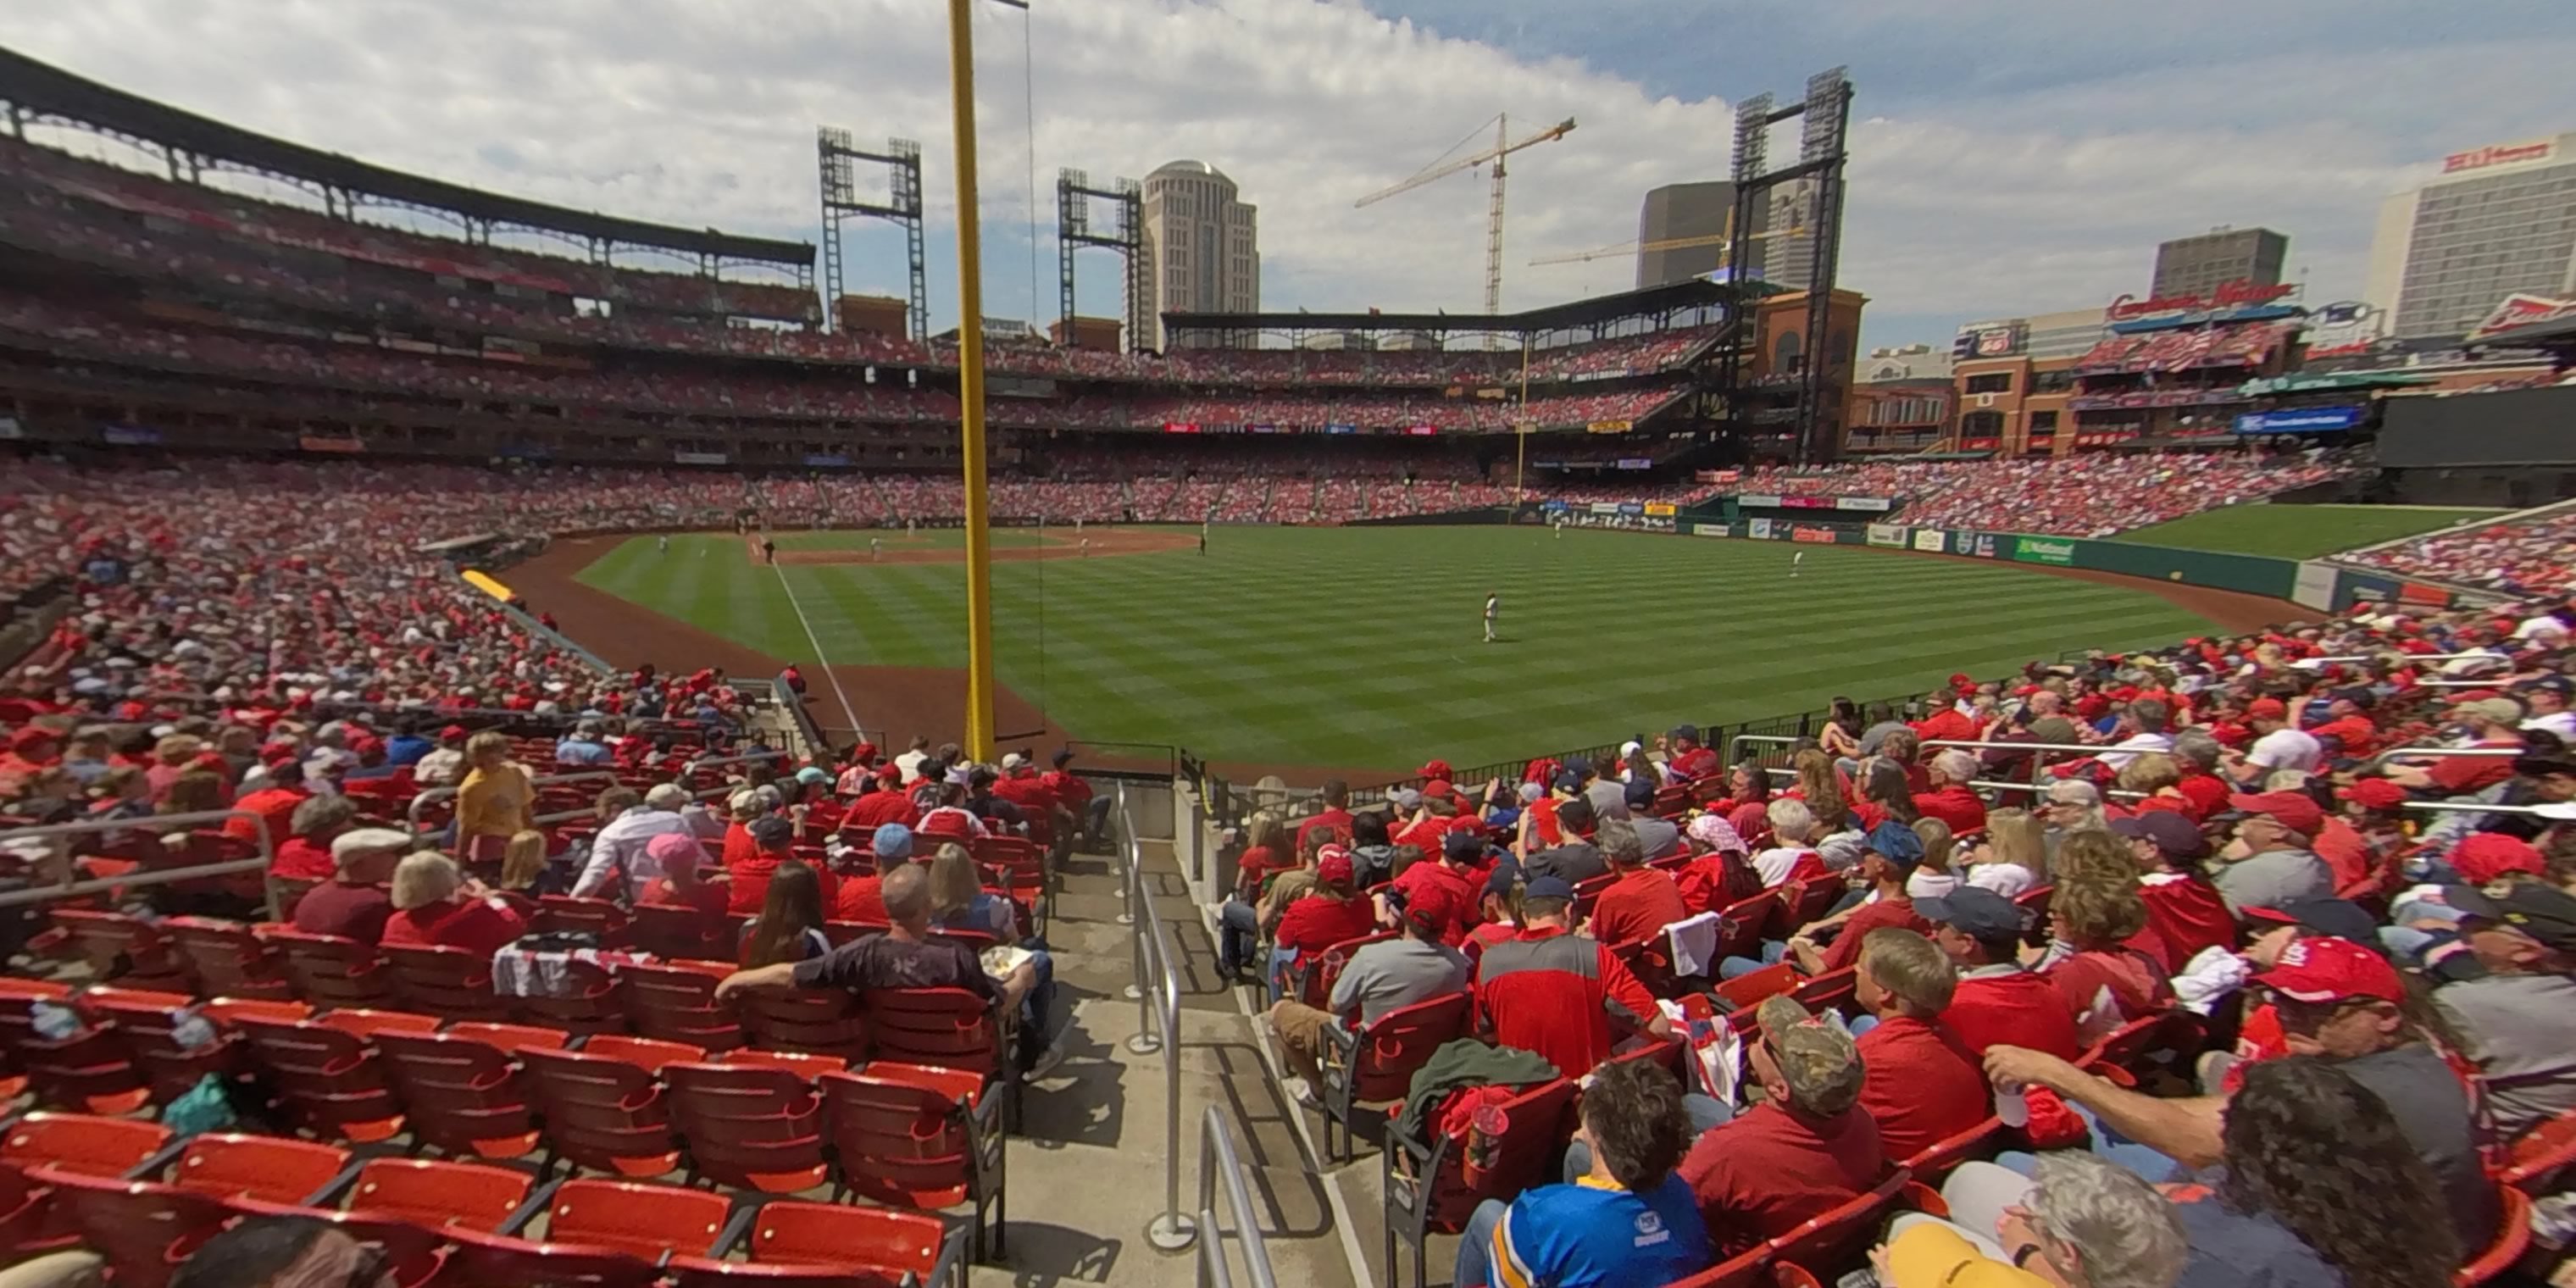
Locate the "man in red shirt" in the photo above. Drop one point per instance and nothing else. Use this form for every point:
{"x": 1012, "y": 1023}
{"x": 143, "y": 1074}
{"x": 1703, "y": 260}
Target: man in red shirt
{"x": 1688, "y": 761}
{"x": 1334, "y": 820}
{"x": 2185, "y": 915}
{"x": 862, "y": 897}
{"x": 1997, "y": 1001}
{"x": 354, "y": 903}
{"x": 1951, "y": 800}
{"x": 884, "y": 802}
{"x": 1640, "y": 900}
{"x": 2197, "y": 754}
{"x": 1552, "y": 992}
{"x": 2348, "y": 723}
{"x": 275, "y": 804}
{"x": 1920, "y": 1083}
{"x": 1943, "y": 720}
{"x": 1806, "y": 1149}
{"x": 1076, "y": 796}
{"x": 1888, "y": 856}
{"x": 747, "y": 880}
{"x": 1453, "y": 874}
{"x": 2492, "y": 723}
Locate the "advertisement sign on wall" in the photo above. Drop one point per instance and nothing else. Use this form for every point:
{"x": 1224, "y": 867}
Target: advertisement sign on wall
{"x": 827, "y": 461}
{"x": 1887, "y": 534}
{"x": 1874, "y": 504}
{"x": 1553, "y": 505}
{"x": 317, "y": 443}
{"x": 2298, "y": 420}
{"x": 1717, "y": 476}
{"x": 1605, "y": 507}
{"x": 1664, "y": 508}
{"x": 133, "y": 435}
{"x": 2041, "y": 550}
{"x": 699, "y": 458}
{"x": 1636, "y": 463}
{"x": 1632, "y": 508}
{"x": 1710, "y": 530}
{"x": 1610, "y": 426}
{"x": 1758, "y": 529}
{"x": 1931, "y": 541}
{"x": 2315, "y": 586}
{"x": 1758, "y": 501}
{"x": 2416, "y": 592}
{"x": 1814, "y": 536}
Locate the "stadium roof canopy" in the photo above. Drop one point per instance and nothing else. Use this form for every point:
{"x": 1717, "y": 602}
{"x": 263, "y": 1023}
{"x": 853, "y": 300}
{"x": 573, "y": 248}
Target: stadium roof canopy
{"x": 45, "y": 91}
{"x": 1695, "y": 293}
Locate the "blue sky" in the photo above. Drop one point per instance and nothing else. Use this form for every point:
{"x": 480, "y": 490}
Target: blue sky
{"x": 2011, "y": 156}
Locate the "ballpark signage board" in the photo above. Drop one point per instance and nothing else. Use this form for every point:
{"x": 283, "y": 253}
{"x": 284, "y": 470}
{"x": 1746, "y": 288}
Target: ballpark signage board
{"x": 2041, "y": 550}
{"x": 1878, "y": 504}
{"x": 1931, "y": 541}
{"x": 1605, "y": 507}
{"x": 1636, "y": 463}
{"x": 1709, "y": 530}
{"x": 1663, "y": 508}
{"x": 1758, "y": 529}
{"x": 1758, "y": 501}
{"x": 2520, "y": 310}
{"x": 2495, "y": 154}
{"x": 1814, "y": 536}
{"x": 2298, "y": 420}
{"x": 2240, "y": 293}
{"x": 133, "y": 436}
{"x": 700, "y": 458}
{"x": 1610, "y": 426}
{"x": 1887, "y": 534}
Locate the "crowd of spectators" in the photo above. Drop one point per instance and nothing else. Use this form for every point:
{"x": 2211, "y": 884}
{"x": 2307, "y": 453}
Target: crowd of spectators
{"x": 2202, "y": 1000}
{"x": 2089, "y": 494}
{"x": 2534, "y": 557}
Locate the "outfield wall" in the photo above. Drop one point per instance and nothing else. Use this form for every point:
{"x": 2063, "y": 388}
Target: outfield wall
{"x": 2312, "y": 583}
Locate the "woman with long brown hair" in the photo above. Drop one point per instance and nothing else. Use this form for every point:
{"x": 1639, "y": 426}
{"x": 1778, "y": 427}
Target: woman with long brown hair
{"x": 1822, "y": 789}
{"x": 790, "y": 925}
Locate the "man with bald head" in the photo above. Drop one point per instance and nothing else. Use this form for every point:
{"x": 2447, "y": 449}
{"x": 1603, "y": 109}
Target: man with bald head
{"x": 906, "y": 956}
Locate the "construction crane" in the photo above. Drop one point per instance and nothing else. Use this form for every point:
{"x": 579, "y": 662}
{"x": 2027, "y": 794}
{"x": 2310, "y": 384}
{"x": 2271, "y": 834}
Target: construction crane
{"x": 1503, "y": 147}
{"x": 1672, "y": 243}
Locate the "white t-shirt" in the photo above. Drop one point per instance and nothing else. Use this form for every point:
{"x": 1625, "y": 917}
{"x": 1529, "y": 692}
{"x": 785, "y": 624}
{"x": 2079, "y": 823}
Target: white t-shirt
{"x": 2285, "y": 749}
{"x": 2006, "y": 879}
{"x": 2134, "y": 746}
{"x": 2561, "y": 723}
{"x": 1775, "y": 865}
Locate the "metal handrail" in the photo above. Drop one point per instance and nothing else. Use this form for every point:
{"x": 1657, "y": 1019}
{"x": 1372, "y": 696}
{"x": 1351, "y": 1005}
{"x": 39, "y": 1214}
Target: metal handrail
{"x": 2560, "y": 811}
{"x": 1728, "y": 751}
{"x": 691, "y": 767}
{"x": 70, "y": 889}
{"x": 1217, "y": 1156}
{"x": 2382, "y": 757}
{"x": 1993, "y": 786}
{"x": 2488, "y": 683}
{"x": 411, "y": 814}
{"x": 2087, "y": 747}
{"x": 1156, "y": 1030}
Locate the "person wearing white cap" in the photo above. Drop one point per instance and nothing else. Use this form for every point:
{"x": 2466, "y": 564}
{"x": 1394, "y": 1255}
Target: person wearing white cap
{"x": 354, "y": 903}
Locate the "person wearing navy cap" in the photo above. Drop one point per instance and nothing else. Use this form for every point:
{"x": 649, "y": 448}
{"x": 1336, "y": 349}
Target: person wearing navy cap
{"x": 1888, "y": 856}
{"x": 1998, "y": 1000}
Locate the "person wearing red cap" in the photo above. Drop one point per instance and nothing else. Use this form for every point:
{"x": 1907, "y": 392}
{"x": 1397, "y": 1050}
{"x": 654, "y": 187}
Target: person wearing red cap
{"x": 2337, "y": 1000}
{"x": 2278, "y": 744}
{"x": 882, "y": 800}
{"x": 1446, "y": 883}
{"x": 2269, "y": 863}
{"x": 445, "y": 765}
{"x": 1329, "y": 912}
{"x": 2493, "y": 724}
{"x": 1381, "y": 977}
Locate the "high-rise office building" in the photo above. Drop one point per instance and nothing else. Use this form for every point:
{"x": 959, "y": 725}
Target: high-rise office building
{"x": 1682, "y": 212}
{"x": 1785, "y": 252}
{"x": 2497, "y": 220}
{"x": 2198, "y": 265}
{"x": 1202, "y": 250}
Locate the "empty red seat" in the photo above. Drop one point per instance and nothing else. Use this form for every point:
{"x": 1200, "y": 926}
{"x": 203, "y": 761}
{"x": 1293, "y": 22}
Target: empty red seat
{"x": 682, "y": 934}
{"x": 450, "y": 983}
{"x": 589, "y": 1000}
{"x": 1831, "y": 991}
{"x": 122, "y": 949}
{"x": 81, "y": 1143}
{"x": 564, "y": 914}
{"x": 676, "y": 1002}
{"x": 462, "y": 1095}
{"x": 326, "y": 1077}
{"x": 1428, "y": 1186}
{"x": 438, "y": 1194}
{"x": 271, "y": 1169}
{"x": 826, "y": 1245}
{"x": 229, "y": 960}
{"x": 752, "y": 1126}
{"x": 604, "y": 1107}
{"x": 332, "y": 972}
{"x": 949, "y": 1027}
{"x": 480, "y": 1258}
{"x": 918, "y": 1137}
{"x": 823, "y": 1021}
{"x": 144, "y": 1229}
{"x": 647, "y": 1221}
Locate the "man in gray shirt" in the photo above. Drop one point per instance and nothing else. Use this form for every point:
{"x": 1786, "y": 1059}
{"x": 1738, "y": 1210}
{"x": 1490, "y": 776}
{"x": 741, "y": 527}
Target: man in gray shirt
{"x": 2512, "y": 998}
{"x": 1381, "y": 977}
{"x": 2269, "y": 863}
{"x": 1575, "y": 859}
{"x": 1658, "y": 835}
{"x": 1608, "y": 795}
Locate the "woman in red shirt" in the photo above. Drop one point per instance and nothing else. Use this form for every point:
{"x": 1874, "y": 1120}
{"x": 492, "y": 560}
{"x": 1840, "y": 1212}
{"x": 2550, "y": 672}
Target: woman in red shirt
{"x": 434, "y": 906}
{"x": 2105, "y": 980}
{"x": 683, "y": 883}
{"x": 1329, "y": 914}
{"x": 306, "y": 853}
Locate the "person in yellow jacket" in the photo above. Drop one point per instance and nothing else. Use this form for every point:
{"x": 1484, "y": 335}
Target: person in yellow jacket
{"x": 496, "y": 802}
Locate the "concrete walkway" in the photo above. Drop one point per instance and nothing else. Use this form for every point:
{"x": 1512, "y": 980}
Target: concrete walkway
{"x": 1088, "y": 1173}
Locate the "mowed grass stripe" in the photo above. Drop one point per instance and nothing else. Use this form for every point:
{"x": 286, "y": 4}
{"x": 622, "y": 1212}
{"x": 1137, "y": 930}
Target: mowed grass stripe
{"x": 1361, "y": 646}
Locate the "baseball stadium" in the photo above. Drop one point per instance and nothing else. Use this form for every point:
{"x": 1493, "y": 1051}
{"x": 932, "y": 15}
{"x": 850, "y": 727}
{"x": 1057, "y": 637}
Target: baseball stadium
{"x": 581, "y": 752}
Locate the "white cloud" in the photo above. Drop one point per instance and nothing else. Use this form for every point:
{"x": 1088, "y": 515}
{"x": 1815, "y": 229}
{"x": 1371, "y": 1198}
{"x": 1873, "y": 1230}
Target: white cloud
{"x": 702, "y": 114}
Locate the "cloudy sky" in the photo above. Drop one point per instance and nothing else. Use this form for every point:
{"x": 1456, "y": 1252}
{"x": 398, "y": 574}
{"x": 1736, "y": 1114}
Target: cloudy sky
{"x": 2010, "y": 156}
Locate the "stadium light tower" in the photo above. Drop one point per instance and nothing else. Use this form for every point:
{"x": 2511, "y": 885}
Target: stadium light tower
{"x": 902, "y": 158}
{"x": 1824, "y": 118}
{"x": 1073, "y": 194}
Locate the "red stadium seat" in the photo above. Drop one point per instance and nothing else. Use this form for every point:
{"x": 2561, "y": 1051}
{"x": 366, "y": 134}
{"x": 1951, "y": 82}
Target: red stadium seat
{"x": 91, "y": 1146}
{"x": 269, "y": 1169}
{"x": 682, "y": 934}
{"x": 450, "y": 983}
{"x": 463, "y": 1096}
{"x": 1376, "y": 1063}
{"x": 327, "y": 1078}
{"x": 332, "y": 972}
{"x": 676, "y": 1002}
{"x": 228, "y": 960}
{"x": 645, "y": 1221}
{"x": 1315, "y": 979}
{"x": 439, "y": 1194}
{"x": 1831, "y": 991}
{"x": 918, "y": 1137}
{"x": 1824, "y": 1245}
{"x": 2513, "y": 1238}
{"x": 1429, "y": 1187}
{"x": 480, "y": 1258}
{"x": 121, "y": 949}
{"x": 605, "y": 1109}
{"x": 591, "y": 1001}
{"x": 143, "y": 1229}
{"x": 756, "y": 1127}
{"x": 825, "y": 1245}
{"x": 949, "y": 1027}
{"x": 564, "y": 914}
{"x": 820, "y": 1021}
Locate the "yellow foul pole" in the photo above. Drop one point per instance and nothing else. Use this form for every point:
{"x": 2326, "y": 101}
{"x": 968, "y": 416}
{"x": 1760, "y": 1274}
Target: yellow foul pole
{"x": 970, "y": 390}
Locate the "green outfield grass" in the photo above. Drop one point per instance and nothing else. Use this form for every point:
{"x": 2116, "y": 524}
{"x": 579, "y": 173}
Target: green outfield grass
{"x": 2299, "y": 531}
{"x": 1355, "y": 647}
{"x": 925, "y": 539}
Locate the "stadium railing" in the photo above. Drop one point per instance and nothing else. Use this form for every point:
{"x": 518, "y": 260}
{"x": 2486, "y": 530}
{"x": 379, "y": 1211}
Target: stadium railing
{"x": 1157, "y": 990}
{"x": 817, "y": 747}
{"x": 1217, "y": 1156}
{"x": 68, "y": 888}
